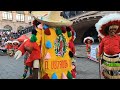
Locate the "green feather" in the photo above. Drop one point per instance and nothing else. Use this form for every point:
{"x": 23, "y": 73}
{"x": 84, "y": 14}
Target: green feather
{"x": 58, "y": 31}
{"x": 33, "y": 38}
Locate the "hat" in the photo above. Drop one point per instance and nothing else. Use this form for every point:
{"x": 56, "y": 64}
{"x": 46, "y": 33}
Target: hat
{"x": 15, "y": 41}
{"x": 88, "y": 38}
{"x": 8, "y": 42}
{"x": 107, "y": 22}
{"x": 53, "y": 19}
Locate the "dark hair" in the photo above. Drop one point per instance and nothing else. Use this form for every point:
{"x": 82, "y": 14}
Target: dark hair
{"x": 106, "y": 31}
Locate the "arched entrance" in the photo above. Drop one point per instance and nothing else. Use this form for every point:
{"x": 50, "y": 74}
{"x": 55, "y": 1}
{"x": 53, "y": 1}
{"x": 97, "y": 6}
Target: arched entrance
{"x": 8, "y": 27}
{"x": 92, "y": 33}
{"x": 20, "y": 28}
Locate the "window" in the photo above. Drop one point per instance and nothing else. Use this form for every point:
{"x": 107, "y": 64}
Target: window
{"x": 7, "y": 15}
{"x": 20, "y": 17}
{"x": 29, "y": 18}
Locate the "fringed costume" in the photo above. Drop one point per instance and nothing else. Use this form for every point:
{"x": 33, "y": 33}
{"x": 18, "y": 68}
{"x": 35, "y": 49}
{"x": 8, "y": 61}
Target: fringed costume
{"x": 52, "y": 45}
{"x": 88, "y": 41}
{"x": 109, "y": 47}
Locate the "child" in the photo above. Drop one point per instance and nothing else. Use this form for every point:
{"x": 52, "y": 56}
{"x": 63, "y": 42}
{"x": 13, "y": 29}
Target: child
{"x": 88, "y": 41}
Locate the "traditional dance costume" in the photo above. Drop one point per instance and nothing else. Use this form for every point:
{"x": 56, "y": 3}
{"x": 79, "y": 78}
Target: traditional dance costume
{"x": 9, "y": 47}
{"x": 109, "y": 47}
{"x": 52, "y": 42}
{"x": 88, "y": 45}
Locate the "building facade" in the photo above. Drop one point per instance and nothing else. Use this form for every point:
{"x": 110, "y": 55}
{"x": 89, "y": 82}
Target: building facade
{"x": 84, "y": 23}
{"x": 14, "y": 20}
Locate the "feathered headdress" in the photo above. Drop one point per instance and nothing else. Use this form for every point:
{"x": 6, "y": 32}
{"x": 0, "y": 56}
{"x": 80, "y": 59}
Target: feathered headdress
{"x": 105, "y": 22}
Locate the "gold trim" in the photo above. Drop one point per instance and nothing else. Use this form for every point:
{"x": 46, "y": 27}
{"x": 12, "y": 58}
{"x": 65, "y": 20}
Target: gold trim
{"x": 111, "y": 77}
{"x": 111, "y": 59}
{"x": 110, "y": 68}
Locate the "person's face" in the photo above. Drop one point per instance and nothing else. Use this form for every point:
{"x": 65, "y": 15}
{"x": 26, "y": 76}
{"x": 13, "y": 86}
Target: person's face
{"x": 89, "y": 41}
{"x": 15, "y": 43}
{"x": 112, "y": 31}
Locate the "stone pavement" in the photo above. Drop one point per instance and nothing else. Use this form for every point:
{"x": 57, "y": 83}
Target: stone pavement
{"x": 87, "y": 69}
{"x": 81, "y": 51}
{"x": 13, "y": 69}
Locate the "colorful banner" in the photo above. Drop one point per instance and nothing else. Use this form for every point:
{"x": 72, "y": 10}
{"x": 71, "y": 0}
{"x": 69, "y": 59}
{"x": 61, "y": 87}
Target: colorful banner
{"x": 93, "y": 53}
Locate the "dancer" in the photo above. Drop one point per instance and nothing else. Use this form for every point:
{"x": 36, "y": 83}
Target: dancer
{"x": 50, "y": 55}
{"x": 88, "y": 41}
{"x": 109, "y": 47}
{"x": 27, "y": 69}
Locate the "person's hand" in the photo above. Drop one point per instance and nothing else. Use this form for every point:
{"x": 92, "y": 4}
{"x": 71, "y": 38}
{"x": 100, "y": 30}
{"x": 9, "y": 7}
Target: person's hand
{"x": 18, "y": 54}
{"x": 99, "y": 58}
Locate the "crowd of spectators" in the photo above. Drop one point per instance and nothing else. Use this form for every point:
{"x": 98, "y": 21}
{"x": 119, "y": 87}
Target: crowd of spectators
{"x": 9, "y": 35}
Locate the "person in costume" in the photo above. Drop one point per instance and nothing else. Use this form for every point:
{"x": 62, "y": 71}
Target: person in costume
{"x": 109, "y": 47}
{"x": 15, "y": 45}
{"x": 88, "y": 41}
{"x": 9, "y": 47}
{"x": 22, "y": 39}
{"x": 54, "y": 52}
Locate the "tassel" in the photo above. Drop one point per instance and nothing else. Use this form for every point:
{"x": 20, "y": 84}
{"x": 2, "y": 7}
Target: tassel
{"x": 45, "y": 27}
{"x": 64, "y": 76}
{"x": 69, "y": 75}
{"x": 33, "y": 38}
{"x": 45, "y": 76}
{"x": 58, "y": 31}
{"x": 48, "y": 44}
{"x": 47, "y": 56}
{"x": 54, "y": 76}
{"x": 73, "y": 73}
{"x": 47, "y": 31}
{"x": 63, "y": 29}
